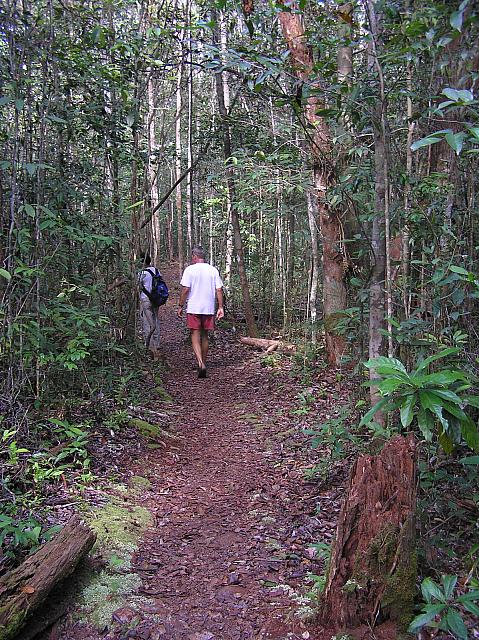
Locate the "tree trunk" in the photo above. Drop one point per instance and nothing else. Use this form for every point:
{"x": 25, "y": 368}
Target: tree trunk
{"x": 372, "y": 573}
{"x": 313, "y": 230}
{"x": 191, "y": 235}
{"x": 379, "y": 233}
{"x": 334, "y": 290}
{"x": 179, "y": 206}
{"x": 25, "y": 588}
{"x": 153, "y": 173}
{"x": 230, "y": 179}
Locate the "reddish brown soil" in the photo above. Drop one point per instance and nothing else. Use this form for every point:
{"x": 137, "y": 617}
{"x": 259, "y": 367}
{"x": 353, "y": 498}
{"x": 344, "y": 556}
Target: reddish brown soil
{"x": 234, "y": 516}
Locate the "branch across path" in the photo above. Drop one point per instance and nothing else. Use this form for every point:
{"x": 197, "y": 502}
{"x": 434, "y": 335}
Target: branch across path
{"x": 234, "y": 517}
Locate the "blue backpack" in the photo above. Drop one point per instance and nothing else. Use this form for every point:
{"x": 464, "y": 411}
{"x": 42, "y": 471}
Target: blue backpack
{"x": 159, "y": 291}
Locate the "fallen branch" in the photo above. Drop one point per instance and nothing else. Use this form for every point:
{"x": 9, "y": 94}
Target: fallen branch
{"x": 23, "y": 589}
{"x": 269, "y": 345}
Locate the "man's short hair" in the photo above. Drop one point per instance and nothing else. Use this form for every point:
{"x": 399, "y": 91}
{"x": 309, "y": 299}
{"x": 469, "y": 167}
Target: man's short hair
{"x": 199, "y": 252}
{"x": 145, "y": 259}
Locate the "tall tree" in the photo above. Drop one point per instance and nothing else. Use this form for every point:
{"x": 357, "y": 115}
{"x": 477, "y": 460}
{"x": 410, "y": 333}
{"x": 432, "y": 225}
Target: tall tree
{"x": 230, "y": 180}
{"x": 334, "y": 290}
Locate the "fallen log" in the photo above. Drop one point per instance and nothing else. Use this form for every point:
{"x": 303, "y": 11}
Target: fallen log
{"x": 268, "y": 345}
{"x": 24, "y": 589}
{"x": 372, "y": 572}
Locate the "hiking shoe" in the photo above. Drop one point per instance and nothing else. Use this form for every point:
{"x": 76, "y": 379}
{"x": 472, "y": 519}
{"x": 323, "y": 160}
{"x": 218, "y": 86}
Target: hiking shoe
{"x": 201, "y": 373}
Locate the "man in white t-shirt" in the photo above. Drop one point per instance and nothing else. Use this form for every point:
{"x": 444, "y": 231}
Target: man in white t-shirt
{"x": 148, "y": 312}
{"x": 202, "y": 285}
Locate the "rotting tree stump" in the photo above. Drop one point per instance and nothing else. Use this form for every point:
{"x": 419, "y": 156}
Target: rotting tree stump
{"x": 372, "y": 573}
{"x": 24, "y": 589}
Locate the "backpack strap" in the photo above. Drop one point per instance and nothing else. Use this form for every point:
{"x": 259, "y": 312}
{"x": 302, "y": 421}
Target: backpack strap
{"x": 143, "y": 288}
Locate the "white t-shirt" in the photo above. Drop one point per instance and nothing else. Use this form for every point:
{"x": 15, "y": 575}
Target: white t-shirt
{"x": 144, "y": 279}
{"x": 202, "y": 280}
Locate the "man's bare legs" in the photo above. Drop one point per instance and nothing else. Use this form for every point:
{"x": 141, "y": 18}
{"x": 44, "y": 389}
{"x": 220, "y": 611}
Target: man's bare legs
{"x": 204, "y": 345}
{"x": 200, "y": 344}
{"x": 196, "y": 343}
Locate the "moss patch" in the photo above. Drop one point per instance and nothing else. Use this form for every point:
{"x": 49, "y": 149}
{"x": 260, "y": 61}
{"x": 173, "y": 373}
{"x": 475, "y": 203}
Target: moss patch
{"x": 138, "y": 483}
{"x": 149, "y": 430}
{"x": 117, "y": 526}
{"x": 105, "y": 594}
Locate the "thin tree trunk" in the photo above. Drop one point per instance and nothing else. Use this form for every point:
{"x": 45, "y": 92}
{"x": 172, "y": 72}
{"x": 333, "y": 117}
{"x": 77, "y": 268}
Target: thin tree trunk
{"x": 189, "y": 177}
{"x": 153, "y": 173}
{"x": 334, "y": 290}
{"x": 178, "y": 149}
{"x": 230, "y": 178}
{"x": 313, "y": 231}
{"x": 377, "y": 301}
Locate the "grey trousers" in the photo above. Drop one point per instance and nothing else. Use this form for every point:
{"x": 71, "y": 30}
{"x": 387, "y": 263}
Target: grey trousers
{"x": 150, "y": 325}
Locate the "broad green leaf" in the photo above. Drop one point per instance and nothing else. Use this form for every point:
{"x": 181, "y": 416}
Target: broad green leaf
{"x": 424, "y": 618}
{"x": 377, "y": 407}
{"x": 5, "y": 274}
{"x": 470, "y": 434}
{"x": 430, "y": 590}
{"x": 407, "y": 411}
{"x": 425, "y": 142}
{"x": 456, "y": 141}
{"x": 4, "y": 100}
{"x": 446, "y": 443}
{"x": 459, "y": 270}
{"x": 442, "y": 354}
{"x": 389, "y": 385}
{"x": 456, "y": 624}
{"x": 426, "y": 423}
{"x": 447, "y": 395}
{"x": 29, "y": 210}
{"x": 473, "y": 401}
{"x": 449, "y": 584}
{"x": 470, "y": 460}
{"x": 473, "y": 594}
{"x": 471, "y": 607}
{"x": 444, "y": 377}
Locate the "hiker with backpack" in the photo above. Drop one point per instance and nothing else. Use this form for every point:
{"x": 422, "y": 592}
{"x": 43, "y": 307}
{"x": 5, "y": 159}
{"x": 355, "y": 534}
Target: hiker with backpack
{"x": 153, "y": 294}
{"x": 202, "y": 285}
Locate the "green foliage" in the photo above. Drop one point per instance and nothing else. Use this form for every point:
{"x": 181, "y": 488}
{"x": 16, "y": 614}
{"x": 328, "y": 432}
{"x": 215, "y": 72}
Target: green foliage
{"x": 443, "y": 609}
{"x": 434, "y": 402}
{"x": 19, "y": 534}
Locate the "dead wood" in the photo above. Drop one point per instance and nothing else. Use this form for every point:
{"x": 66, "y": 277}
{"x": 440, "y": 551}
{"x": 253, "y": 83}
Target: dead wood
{"x": 268, "y": 345}
{"x": 372, "y": 572}
{"x": 23, "y": 589}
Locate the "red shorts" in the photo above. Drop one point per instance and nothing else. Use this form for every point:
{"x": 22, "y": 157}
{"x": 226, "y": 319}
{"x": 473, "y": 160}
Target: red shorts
{"x": 200, "y": 321}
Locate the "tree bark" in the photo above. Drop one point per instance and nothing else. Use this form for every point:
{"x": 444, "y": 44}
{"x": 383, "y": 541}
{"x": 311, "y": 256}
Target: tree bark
{"x": 230, "y": 179}
{"x": 179, "y": 206}
{"x": 372, "y": 573}
{"x": 334, "y": 290}
{"x": 379, "y": 232}
{"x": 25, "y": 588}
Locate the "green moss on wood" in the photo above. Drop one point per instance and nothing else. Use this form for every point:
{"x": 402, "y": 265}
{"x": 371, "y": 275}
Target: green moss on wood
{"x": 11, "y": 629}
{"x": 149, "y": 430}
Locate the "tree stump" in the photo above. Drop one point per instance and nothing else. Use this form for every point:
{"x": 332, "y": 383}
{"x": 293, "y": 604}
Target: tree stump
{"x": 372, "y": 573}
{"x": 26, "y": 587}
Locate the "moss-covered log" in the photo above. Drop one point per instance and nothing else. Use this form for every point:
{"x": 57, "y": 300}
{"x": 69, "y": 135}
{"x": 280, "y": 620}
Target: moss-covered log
{"x": 25, "y": 588}
{"x": 372, "y": 572}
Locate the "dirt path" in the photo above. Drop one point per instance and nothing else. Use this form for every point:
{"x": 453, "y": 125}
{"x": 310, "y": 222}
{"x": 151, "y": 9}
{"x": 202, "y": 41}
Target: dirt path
{"x": 234, "y": 518}
{"x": 229, "y": 500}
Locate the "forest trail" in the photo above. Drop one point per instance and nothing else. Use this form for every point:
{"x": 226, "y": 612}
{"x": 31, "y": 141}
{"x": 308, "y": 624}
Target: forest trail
{"x": 234, "y": 518}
